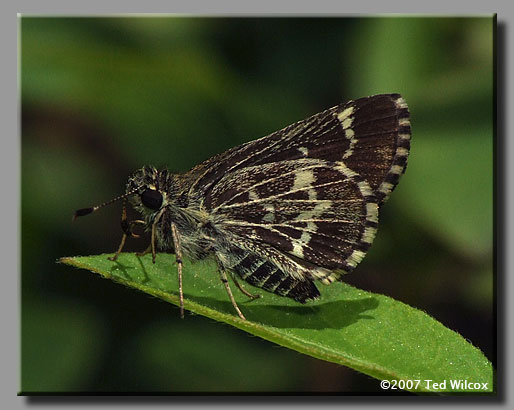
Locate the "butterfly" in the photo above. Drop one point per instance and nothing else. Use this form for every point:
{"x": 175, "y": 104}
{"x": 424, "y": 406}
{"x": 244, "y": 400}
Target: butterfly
{"x": 284, "y": 211}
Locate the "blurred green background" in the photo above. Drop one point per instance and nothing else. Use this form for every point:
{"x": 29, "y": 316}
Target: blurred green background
{"x": 100, "y": 97}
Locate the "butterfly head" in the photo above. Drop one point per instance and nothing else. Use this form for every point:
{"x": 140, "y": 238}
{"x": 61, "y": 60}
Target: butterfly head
{"x": 148, "y": 191}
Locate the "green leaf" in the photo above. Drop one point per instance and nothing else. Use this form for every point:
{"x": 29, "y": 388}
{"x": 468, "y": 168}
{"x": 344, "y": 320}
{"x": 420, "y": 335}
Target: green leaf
{"x": 370, "y": 333}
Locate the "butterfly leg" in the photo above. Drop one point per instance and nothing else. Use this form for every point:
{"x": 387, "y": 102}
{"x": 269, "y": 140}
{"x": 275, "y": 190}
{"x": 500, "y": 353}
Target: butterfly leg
{"x": 244, "y": 291}
{"x": 224, "y": 280}
{"x": 127, "y": 231}
{"x": 178, "y": 258}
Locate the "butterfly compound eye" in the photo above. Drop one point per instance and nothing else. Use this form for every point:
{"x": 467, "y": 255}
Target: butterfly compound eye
{"x": 151, "y": 199}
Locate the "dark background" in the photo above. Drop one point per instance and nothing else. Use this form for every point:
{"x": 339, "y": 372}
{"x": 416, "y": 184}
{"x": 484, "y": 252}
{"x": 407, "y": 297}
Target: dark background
{"x": 100, "y": 97}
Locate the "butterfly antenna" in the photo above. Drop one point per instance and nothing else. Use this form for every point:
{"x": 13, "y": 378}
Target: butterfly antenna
{"x": 87, "y": 211}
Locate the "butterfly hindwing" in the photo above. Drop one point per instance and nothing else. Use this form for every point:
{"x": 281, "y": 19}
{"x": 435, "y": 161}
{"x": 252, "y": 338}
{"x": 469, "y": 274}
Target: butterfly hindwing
{"x": 320, "y": 214}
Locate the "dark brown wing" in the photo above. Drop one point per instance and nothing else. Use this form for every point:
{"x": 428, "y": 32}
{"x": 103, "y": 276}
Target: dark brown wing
{"x": 302, "y": 203}
{"x": 370, "y": 135}
{"x": 314, "y": 219}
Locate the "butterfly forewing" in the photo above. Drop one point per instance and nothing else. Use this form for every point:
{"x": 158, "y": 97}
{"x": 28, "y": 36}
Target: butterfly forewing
{"x": 371, "y": 135}
{"x": 311, "y": 191}
{"x": 379, "y": 130}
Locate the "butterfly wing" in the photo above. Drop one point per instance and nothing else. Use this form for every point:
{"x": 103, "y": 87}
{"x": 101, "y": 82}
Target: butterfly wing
{"x": 314, "y": 219}
{"x": 370, "y": 135}
{"x": 302, "y": 203}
